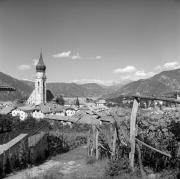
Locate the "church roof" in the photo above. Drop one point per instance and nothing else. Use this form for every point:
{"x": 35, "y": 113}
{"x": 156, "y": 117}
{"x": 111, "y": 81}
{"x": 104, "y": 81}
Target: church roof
{"x": 40, "y": 67}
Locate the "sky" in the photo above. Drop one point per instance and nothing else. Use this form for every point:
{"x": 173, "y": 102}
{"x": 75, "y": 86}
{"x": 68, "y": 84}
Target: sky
{"x": 103, "y": 41}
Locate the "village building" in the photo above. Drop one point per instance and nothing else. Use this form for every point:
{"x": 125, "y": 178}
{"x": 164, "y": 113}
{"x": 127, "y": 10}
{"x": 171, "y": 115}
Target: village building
{"x": 23, "y": 112}
{"x": 41, "y": 111}
{"x": 101, "y": 102}
{"x": 91, "y": 104}
{"x": 70, "y": 111}
{"x": 59, "y": 110}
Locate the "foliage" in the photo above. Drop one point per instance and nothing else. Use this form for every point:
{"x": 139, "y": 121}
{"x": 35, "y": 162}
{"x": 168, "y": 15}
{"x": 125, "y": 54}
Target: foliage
{"x": 90, "y": 160}
{"x": 60, "y": 142}
{"x": 8, "y": 168}
{"x": 157, "y": 131}
{"x": 7, "y": 123}
{"x": 118, "y": 164}
{"x": 77, "y": 102}
{"x": 49, "y": 95}
{"x": 56, "y": 145}
{"x": 60, "y": 100}
{"x": 1, "y": 172}
{"x": 64, "y": 138}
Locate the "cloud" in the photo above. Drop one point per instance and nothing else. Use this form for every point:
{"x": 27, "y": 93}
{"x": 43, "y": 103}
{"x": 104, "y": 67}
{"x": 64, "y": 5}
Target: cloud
{"x": 158, "y": 67}
{"x": 131, "y": 73}
{"x": 62, "y": 55}
{"x": 127, "y": 69}
{"x": 35, "y": 61}
{"x": 75, "y": 57}
{"x": 151, "y": 73}
{"x": 98, "y": 57}
{"x": 168, "y": 66}
{"x": 101, "y": 82}
{"x": 140, "y": 73}
{"x": 174, "y": 64}
{"x": 24, "y": 67}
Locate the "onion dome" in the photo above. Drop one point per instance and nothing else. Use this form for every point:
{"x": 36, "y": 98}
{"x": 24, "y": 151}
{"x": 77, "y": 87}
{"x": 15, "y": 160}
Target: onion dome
{"x": 40, "y": 67}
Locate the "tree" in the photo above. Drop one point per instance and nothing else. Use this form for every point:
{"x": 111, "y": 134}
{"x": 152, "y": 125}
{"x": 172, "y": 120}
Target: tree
{"x": 60, "y": 100}
{"x": 49, "y": 95}
{"x": 77, "y": 102}
{"x": 6, "y": 123}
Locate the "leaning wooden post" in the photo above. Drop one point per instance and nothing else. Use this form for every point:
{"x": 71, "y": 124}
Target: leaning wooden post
{"x": 88, "y": 142}
{"x": 133, "y": 132}
{"x": 97, "y": 139}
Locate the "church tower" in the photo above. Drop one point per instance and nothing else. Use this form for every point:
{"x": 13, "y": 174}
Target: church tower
{"x": 40, "y": 82}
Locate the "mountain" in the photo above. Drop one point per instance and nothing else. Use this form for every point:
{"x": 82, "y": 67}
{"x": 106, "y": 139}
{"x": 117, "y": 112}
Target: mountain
{"x": 164, "y": 82}
{"x": 94, "y": 89}
{"x": 67, "y": 89}
{"x": 74, "y": 90}
{"x": 22, "y": 89}
{"x": 29, "y": 83}
{"x": 78, "y": 90}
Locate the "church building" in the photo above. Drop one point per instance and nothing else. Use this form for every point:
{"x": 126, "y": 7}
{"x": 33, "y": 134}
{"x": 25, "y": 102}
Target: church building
{"x": 38, "y": 96}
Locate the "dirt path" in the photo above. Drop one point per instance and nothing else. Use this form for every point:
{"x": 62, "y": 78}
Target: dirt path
{"x": 66, "y": 166}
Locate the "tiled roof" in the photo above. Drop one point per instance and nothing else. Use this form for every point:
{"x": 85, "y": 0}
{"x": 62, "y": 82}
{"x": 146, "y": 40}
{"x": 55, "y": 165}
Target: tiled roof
{"x": 59, "y": 108}
{"x": 27, "y": 108}
{"x": 71, "y": 108}
{"x": 6, "y": 110}
{"x": 50, "y": 107}
{"x": 101, "y": 101}
{"x": 86, "y": 119}
{"x": 44, "y": 108}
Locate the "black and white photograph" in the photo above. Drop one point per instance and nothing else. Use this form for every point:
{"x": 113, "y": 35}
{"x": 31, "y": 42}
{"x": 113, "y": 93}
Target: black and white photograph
{"x": 89, "y": 89}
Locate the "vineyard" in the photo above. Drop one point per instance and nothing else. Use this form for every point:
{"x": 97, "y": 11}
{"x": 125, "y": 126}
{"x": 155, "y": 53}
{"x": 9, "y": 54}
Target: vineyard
{"x": 151, "y": 147}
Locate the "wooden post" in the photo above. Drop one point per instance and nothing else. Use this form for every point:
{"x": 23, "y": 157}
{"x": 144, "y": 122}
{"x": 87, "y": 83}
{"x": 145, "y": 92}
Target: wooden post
{"x": 111, "y": 137}
{"x": 97, "y": 138}
{"x": 114, "y": 141}
{"x": 88, "y": 142}
{"x": 143, "y": 174}
{"x": 94, "y": 139}
{"x": 133, "y": 132}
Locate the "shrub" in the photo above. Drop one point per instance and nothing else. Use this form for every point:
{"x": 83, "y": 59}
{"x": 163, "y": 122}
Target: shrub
{"x": 117, "y": 165}
{"x": 159, "y": 132}
{"x": 1, "y": 172}
{"x": 90, "y": 160}
{"x": 8, "y": 168}
{"x": 56, "y": 145}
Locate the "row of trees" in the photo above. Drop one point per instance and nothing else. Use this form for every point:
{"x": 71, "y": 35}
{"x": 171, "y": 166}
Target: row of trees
{"x": 60, "y": 100}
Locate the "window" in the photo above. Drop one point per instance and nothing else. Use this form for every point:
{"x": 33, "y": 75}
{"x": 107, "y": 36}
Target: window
{"x": 38, "y": 86}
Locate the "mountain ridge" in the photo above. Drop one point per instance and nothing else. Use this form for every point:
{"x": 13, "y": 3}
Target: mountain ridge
{"x": 24, "y": 88}
{"x": 164, "y": 82}
{"x": 159, "y": 84}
